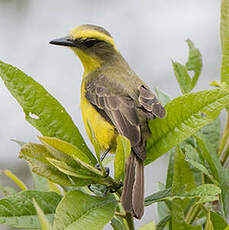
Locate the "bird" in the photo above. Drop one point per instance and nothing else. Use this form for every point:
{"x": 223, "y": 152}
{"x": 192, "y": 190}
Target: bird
{"x": 114, "y": 101}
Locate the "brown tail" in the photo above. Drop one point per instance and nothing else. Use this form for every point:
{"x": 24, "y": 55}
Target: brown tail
{"x": 132, "y": 198}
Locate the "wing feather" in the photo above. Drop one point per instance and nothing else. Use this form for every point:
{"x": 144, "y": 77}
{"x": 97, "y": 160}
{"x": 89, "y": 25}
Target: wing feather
{"x": 123, "y": 111}
{"x": 150, "y": 103}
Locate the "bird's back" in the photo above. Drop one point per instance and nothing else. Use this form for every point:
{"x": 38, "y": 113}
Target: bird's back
{"x": 117, "y": 76}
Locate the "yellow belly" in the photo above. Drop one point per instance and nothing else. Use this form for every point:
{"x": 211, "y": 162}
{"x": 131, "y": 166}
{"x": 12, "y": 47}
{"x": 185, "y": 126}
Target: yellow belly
{"x": 104, "y": 132}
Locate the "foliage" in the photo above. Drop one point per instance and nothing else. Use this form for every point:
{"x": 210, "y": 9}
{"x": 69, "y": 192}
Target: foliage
{"x": 91, "y": 212}
{"x": 71, "y": 192}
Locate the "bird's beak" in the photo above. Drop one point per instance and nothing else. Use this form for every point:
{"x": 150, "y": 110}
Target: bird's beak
{"x": 65, "y": 41}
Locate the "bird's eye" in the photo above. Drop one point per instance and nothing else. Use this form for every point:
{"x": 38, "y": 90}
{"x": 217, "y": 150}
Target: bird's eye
{"x": 89, "y": 42}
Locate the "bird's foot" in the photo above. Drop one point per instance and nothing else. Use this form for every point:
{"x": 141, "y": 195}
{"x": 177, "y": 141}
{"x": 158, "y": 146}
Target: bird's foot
{"x": 97, "y": 166}
{"x": 113, "y": 190}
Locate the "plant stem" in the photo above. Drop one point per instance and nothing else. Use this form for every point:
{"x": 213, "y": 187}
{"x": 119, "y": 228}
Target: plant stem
{"x": 224, "y": 144}
{"x": 193, "y": 213}
{"x": 16, "y": 180}
{"x": 224, "y": 138}
{"x": 225, "y": 156}
{"x": 130, "y": 221}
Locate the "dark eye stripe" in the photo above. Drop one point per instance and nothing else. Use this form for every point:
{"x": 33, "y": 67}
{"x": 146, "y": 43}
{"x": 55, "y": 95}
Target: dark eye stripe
{"x": 89, "y": 42}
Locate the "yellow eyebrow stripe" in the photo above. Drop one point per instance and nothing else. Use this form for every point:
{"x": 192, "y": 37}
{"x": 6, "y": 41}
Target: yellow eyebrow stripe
{"x": 76, "y": 33}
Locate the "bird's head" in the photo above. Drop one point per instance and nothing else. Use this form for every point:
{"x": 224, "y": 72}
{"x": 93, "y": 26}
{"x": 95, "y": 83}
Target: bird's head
{"x": 93, "y": 44}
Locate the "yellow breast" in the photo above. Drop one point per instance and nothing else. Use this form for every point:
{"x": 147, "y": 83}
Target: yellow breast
{"x": 104, "y": 132}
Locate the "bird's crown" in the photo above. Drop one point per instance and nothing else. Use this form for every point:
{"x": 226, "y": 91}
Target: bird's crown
{"x": 91, "y": 31}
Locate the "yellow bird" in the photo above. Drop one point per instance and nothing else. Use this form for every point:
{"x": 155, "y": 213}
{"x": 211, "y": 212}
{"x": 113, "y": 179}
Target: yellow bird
{"x": 115, "y": 101}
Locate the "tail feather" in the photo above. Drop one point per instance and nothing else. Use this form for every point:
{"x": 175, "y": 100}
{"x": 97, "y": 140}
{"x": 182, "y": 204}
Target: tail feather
{"x": 132, "y": 198}
{"x": 138, "y": 189}
{"x": 126, "y": 198}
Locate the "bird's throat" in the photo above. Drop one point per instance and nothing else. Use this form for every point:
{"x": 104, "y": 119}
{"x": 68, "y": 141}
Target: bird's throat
{"x": 90, "y": 64}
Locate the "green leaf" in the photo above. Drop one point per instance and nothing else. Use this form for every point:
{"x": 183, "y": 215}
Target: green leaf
{"x": 58, "y": 155}
{"x": 163, "y": 222}
{"x": 182, "y": 77}
{"x": 91, "y": 212}
{"x": 162, "y": 96}
{"x": 194, "y": 62}
{"x": 184, "y": 183}
{"x": 204, "y": 193}
{"x": 36, "y": 151}
{"x": 18, "y": 210}
{"x": 218, "y": 221}
{"x": 217, "y": 172}
{"x": 117, "y": 223}
{"x": 65, "y": 168}
{"x": 66, "y": 148}
{"x": 83, "y": 176}
{"x": 149, "y": 226}
{"x": 39, "y": 183}
{"x": 181, "y": 185}
{"x": 224, "y": 35}
{"x": 178, "y": 221}
{"x": 158, "y": 196}
{"x": 122, "y": 153}
{"x": 42, "y": 184}
{"x": 169, "y": 177}
{"x": 210, "y": 134}
{"x": 191, "y": 157}
{"x": 185, "y": 116}
{"x": 20, "y": 143}
{"x": 41, "y": 109}
{"x": 163, "y": 207}
{"x": 41, "y": 166}
{"x": 45, "y": 225}
{"x": 212, "y": 160}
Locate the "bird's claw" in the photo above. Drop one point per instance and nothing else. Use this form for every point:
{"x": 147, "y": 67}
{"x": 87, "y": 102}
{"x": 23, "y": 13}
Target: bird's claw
{"x": 113, "y": 190}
